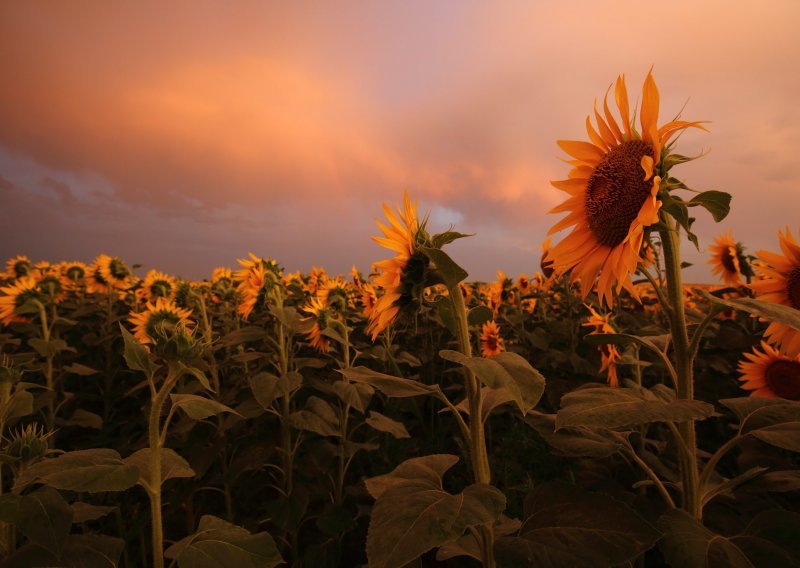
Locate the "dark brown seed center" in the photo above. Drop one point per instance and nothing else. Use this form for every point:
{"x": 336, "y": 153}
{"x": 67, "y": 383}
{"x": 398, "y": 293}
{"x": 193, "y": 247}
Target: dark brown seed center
{"x": 783, "y": 377}
{"x": 793, "y": 287}
{"x": 728, "y": 261}
{"x": 616, "y": 191}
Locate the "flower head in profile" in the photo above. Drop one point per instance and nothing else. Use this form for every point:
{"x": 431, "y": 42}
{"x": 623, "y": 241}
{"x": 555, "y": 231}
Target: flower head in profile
{"x": 770, "y": 373}
{"x": 112, "y": 272}
{"x": 613, "y": 189}
{"x": 728, "y": 260}
{"x": 73, "y": 275}
{"x": 609, "y": 354}
{"x": 524, "y": 284}
{"x": 491, "y": 342}
{"x": 255, "y": 288}
{"x": 778, "y": 280}
{"x": 402, "y": 277}
{"x": 159, "y": 313}
{"x": 19, "y": 266}
{"x": 319, "y": 317}
{"x": 15, "y": 296}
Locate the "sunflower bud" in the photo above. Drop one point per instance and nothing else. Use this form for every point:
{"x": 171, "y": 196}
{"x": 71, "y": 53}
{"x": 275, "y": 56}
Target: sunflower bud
{"x": 28, "y": 444}
{"x": 175, "y": 342}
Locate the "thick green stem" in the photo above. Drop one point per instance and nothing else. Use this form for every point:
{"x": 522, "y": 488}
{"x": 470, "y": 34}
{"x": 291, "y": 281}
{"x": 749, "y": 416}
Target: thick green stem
{"x": 670, "y": 239}
{"x": 154, "y": 485}
{"x": 477, "y": 439}
{"x": 50, "y": 419}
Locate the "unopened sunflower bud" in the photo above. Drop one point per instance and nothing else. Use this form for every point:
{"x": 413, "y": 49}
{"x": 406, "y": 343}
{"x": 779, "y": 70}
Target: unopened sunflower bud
{"x": 28, "y": 444}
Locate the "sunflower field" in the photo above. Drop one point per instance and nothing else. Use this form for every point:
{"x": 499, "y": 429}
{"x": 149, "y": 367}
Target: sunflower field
{"x": 598, "y": 412}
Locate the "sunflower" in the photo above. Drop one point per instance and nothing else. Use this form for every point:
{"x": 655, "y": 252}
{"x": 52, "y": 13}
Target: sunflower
{"x": 613, "y": 188}
{"x": 249, "y": 265}
{"x": 222, "y": 275}
{"x": 728, "y": 260}
{"x": 19, "y": 266}
{"x": 334, "y": 294}
{"x": 73, "y": 275}
{"x": 369, "y": 298}
{"x": 546, "y": 263}
{"x": 113, "y": 271}
{"x": 156, "y": 285}
{"x": 13, "y": 297}
{"x": 358, "y": 280}
{"x": 401, "y": 277}
{"x": 319, "y": 316}
{"x": 491, "y": 342}
{"x": 254, "y": 289}
{"x": 770, "y": 373}
{"x": 163, "y": 311}
{"x": 523, "y": 284}
{"x": 609, "y": 354}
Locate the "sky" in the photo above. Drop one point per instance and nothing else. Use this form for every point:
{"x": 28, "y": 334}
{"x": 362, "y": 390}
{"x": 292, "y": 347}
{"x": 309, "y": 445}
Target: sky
{"x": 182, "y": 135}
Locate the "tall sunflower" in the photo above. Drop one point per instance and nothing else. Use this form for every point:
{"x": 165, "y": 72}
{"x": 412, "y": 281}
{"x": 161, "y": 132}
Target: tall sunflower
{"x": 13, "y": 297}
{"x": 163, "y": 311}
{"x": 609, "y": 354}
{"x": 770, "y": 373}
{"x": 613, "y": 187}
{"x": 728, "y": 260}
{"x": 258, "y": 282}
{"x": 778, "y": 280}
{"x": 401, "y": 277}
{"x": 19, "y": 266}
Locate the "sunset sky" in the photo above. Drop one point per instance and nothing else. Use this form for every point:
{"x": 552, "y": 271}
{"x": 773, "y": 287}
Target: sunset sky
{"x": 182, "y": 135}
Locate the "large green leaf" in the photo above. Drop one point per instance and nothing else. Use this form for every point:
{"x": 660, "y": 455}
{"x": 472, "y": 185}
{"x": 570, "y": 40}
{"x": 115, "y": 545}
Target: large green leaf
{"x": 267, "y": 387}
{"x": 578, "y": 441}
{"x": 504, "y": 371}
{"x": 718, "y": 203}
{"x": 80, "y": 551}
{"x": 136, "y": 355}
{"x": 198, "y": 407}
{"x": 89, "y": 471}
{"x": 430, "y": 468}
{"x": 772, "y": 311}
{"x": 606, "y": 407}
{"x": 220, "y": 544}
{"x": 447, "y": 268}
{"x": 771, "y": 539}
{"x": 776, "y": 424}
{"x": 172, "y": 465}
{"x": 568, "y": 527}
{"x": 414, "y": 515}
{"x": 385, "y": 424}
{"x": 317, "y": 416}
{"x": 45, "y": 519}
{"x": 387, "y": 384}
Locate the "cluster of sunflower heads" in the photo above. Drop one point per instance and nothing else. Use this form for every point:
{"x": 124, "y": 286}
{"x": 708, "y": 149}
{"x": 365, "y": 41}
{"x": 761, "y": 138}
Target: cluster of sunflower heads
{"x": 26, "y": 446}
{"x": 175, "y": 341}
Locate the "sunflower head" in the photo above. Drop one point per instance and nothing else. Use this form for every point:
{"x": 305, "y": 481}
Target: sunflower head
{"x": 52, "y": 288}
{"x": 18, "y": 299}
{"x": 613, "y": 190}
{"x": 73, "y": 275}
{"x": 609, "y": 354}
{"x": 19, "y": 266}
{"x": 770, "y": 373}
{"x": 334, "y": 294}
{"x": 156, "y": 285}
{"x": 222, "y": 275}
{"x": 778, "y": 280}
{"x": 369, "y": 298}
{"x": 266, "y": 266}
{"x": 728, "y": 260}
{"x": 161, "y": 315}
{"x": 28, "y": 444}
{"x": 491, "y": 342}
{"x": 113, "y": 271}
{"x": 318, "y": 319}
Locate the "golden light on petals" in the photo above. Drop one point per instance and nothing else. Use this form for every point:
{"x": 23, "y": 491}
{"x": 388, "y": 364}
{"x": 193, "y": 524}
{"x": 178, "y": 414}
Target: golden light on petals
{"x": 725, "y": 261}
{"x": 613, "y": 189}
{"x": 162, "y": 311}
{"x": 14, "y": 296}
{"x": 319, "y": 316}
{"x": 491, "y": 342}
{"x": 770, "y": 373}
{"x": 778, "y": 280}
{"x": 609, "y": 354}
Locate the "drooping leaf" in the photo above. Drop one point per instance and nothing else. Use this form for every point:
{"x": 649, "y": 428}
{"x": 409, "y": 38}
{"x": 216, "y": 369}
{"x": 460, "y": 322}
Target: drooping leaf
{"x": 414, "y": 515}
{"x": 577, "y": 441}
{"x": 446, "y": 238}
{"x": 771, "y": 311}
{"x": 82, "y": 512}
{"x": 357, "y": 395}
{"x": 317, "y": 416}
{"x": 137, "y": 356}
{"x": 429, "y": 468}
{"x": 385, "y": 424}
{"x": 450, "y": 272}
{"x": 718, "y": 203}
{"x": 568, "y": 527}
{"x": 81, "y": 370}
{"x": 606, "y": 407}
{"x": 479, "y": 315}
{"x": 88, "y": 471}
{"x": 389, "y": 385}
{"x": 220, "y": 544}
{"x": 80, "y": 551}
{"x": 198, "y": 407}
{"x": 267, "y": 387}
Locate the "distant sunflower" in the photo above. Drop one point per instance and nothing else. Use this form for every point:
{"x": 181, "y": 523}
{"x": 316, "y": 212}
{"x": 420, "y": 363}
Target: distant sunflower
{"x": 160, "y": 312}
{"x": 316, "y": 278}
{"x": 609, "y": 354}
{"x": 770, "y": 373}
{"x": 252, "y": 263}
{"x": 778, "y": 280}
{"x": 401, "y": 277}
{"x": 222, "y": 275}
{"x": 156, "y": 285}
{"x": 258, "y": 282}
{"x": 19, "y": 266}
{"x": 111, "y": 272}
{"x": 524, "y": 284}
{"x": 727, "y": 259}
{"x": 13, "y": 297}
{"x": 369, "y": 299}
{"x": 319, "y": 316}
{"x": 73, "y": 275}
{"x": 613, "y": 190}
{"x": 335, "y": 294}
{"x": 491, "y": 342}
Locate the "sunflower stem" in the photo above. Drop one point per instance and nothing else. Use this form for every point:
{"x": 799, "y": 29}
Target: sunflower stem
{"x": 477, "y": 438}
{"x": 670, "y": 239}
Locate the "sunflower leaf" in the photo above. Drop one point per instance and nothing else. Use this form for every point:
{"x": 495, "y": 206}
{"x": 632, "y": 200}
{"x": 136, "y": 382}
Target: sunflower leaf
{"x": 718, "y": 203}
{"x": 136, "y": 355}
{"x": 772, "y": 311}
{"x": 450, "y": 272}
{"x": 446, "y": 238}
